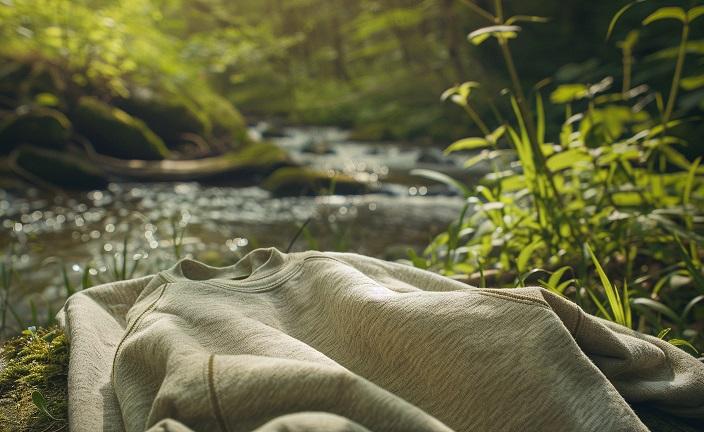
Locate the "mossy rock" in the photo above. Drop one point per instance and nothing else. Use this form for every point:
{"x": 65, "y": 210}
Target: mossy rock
{"x": 115, "y": 133}
{"x": 266, "y": 157}
{"x": 169, "y": 118}
{"x": 43, "y": 127}
{"x": 34, "y": 364}
{"x": 296, "y": 181}
{"x": 58, "y": 168}
{"x": 227, "y": 123}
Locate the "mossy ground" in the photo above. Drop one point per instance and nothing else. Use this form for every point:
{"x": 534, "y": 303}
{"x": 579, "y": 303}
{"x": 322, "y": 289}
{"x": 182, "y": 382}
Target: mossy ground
{"x": 34, "y": 366}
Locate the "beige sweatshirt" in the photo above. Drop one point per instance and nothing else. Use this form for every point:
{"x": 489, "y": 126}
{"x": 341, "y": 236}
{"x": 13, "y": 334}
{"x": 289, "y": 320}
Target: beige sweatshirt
{"x": 341, "y": 342}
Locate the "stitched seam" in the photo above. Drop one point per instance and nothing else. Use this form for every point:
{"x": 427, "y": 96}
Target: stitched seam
{"x": 514, "y": 298}
{"x": 578, "y": 326}
{"x": 269, "y": 286}
{"x": 214, "y": 402}
{"x": 127, "y": 334}
{"x": 255, "y": 289}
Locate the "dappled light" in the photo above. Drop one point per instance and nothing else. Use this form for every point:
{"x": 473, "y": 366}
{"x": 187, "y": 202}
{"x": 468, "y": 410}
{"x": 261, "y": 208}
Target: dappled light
{"x": 377, "y": 196}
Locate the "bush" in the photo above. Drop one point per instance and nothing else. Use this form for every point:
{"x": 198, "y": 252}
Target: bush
{"x": 604, "y": 209}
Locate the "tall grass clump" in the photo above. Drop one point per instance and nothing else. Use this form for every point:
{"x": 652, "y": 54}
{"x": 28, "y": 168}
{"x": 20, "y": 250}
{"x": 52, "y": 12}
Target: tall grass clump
{"x": 603, "y": 208}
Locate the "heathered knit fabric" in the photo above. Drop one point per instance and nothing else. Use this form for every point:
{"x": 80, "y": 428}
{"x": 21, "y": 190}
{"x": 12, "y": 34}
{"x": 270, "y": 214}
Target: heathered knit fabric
{"x": 345, "y": 343}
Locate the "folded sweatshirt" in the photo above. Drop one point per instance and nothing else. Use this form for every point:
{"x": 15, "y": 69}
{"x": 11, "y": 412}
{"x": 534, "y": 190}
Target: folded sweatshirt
{"x": 338, "y": 342}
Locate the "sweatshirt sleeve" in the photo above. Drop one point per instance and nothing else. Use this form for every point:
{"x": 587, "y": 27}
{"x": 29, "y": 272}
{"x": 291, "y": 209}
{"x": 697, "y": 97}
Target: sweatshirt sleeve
{"x": 94, "y": 320}
{"x": 644, "y": 369}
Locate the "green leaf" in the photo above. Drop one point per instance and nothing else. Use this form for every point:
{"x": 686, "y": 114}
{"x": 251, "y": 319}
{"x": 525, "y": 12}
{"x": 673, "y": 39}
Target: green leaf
{"x": 416, "y": 260}
{"x": 526, "y": 254}
{"x": 682, "y": 342}
{"x": 690, "y": 265}
{"x": 67, "y": 283}
{"x": 557, "y": 276}
{"x": 675, "y": 13}
{"x": 689, "y": 183}
{"x": 494, "y": 137}
{"x": 612, "y": 294}
{"x": 41, "y": 403}
{"x": 618, "y": 16}
{"x": 483, "y": 155}
{"x": 692, "y": 47}
{"x": 477, "y": 37}
{"x": 513, "y": 183}
{"x": 47, "y": 99}
{"x": 468, "y": 144}
{"x": 692, "y": 82}
{"x": 695, "y": 13}
{"x": 675, "y": 157}
{"x": 664, "y": 332}
{"x": 691, "y": 305}
{"x": 463, "y": 91}
{"x": 527, "y": 18}
{"x": 567, "y": 159}
{"x": 569, "y": 93}
{"x": 630, "y": 41}
{"x": 540, "y": 109}
{"x": 441, "y": 178}
{"x": 85, "y": 280}
{"x": 657, "y": 307}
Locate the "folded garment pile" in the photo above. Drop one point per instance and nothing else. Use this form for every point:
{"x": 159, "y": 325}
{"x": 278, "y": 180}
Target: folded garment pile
{"x": 341, "y": 342}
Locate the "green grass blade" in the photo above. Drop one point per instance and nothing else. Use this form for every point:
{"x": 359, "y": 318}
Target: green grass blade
{"x": 612, "y": 295}
{"x": 681, "y": 342}
{"x": 692, "y": 268}
{"x": 67, "y": 282}
{"x": 526, "y": 254}
{"x": 618, "y": 16}
{"x": 442, "y": 178}
{"x": 540, "y": 111}
{"x": 657, "y": 307}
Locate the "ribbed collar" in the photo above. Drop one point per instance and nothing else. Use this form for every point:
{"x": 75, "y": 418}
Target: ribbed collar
{"x": 257, "y": 269}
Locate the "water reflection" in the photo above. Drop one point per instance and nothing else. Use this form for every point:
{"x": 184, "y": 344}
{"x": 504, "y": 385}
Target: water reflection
{"x": 131, "y": 228}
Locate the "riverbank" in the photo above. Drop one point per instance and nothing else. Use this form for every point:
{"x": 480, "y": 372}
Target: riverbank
{"x": 153, "y": 223}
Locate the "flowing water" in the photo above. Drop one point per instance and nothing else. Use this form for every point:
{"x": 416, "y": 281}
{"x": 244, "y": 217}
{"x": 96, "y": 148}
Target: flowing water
{"x": 158, "y": 222}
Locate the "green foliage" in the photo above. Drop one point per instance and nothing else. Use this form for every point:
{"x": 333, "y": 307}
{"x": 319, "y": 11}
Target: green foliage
{"x": 605, "y": 204}
{"x": 117, "y": 51}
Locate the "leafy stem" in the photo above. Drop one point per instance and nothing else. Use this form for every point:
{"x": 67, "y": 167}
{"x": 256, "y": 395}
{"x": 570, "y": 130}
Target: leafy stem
{"x": 681, "y": 53}
{"x": 472, "y": 113}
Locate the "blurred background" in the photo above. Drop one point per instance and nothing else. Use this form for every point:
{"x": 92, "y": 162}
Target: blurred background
{"x": 137, "y": 132}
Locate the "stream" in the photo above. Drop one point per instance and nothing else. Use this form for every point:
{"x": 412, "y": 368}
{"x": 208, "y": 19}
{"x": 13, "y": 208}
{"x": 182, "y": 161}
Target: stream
{"x": 86, "y": 232}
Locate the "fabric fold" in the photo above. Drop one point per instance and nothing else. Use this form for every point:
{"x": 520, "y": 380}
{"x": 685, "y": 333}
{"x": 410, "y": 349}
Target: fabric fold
{"x": 342, "y": 342}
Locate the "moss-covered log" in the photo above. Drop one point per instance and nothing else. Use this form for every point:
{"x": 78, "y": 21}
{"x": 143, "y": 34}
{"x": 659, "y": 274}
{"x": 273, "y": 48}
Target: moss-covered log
{"x": 57, "y": 168}
{"x": 249, "y": 164}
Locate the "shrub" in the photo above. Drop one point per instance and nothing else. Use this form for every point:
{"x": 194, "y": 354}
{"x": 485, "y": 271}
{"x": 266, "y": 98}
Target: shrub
{"x": 607, "y": 193}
